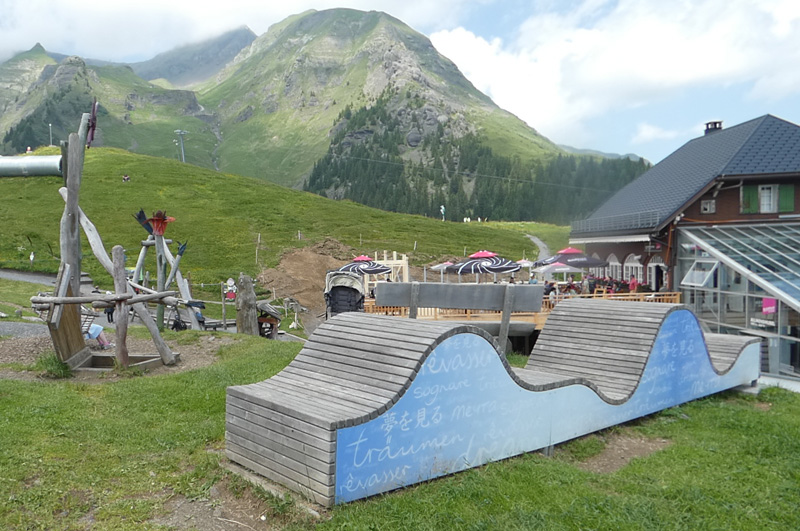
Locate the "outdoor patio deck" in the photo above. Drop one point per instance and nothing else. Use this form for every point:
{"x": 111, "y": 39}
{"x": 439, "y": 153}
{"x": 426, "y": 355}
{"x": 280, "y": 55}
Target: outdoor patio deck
{"x": 538, "y": 318}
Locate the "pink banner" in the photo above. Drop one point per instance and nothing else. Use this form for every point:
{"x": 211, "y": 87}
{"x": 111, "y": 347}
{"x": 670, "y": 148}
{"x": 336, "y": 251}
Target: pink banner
{"x": 769, "y": 306}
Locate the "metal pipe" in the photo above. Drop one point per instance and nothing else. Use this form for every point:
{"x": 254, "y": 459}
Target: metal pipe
{"x": 31, "y": 166}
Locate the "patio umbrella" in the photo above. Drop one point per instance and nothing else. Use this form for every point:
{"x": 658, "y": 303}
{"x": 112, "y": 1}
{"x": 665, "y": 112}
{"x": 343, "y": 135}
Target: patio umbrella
{"x": 528, "y": 264}
{"x": 441, "y": 269}
{"x": 572, "y": 257}
{"x": 366, "y": 267}
{"x": 490, "y": 264}
{"x": 557, "y": 267}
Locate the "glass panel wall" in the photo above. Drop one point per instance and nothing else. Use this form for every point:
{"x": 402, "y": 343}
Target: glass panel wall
{"x": 727, "y": 302}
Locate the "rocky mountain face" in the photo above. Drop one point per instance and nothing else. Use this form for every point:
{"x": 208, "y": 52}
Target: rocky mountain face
{"x": 290, "y": 88}
{"x": 195, "y": 63}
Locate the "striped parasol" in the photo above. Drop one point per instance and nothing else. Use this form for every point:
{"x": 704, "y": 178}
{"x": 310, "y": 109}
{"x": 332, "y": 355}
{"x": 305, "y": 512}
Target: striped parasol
{"x": 366, "y": 267}
{"x": 490, "y": 264}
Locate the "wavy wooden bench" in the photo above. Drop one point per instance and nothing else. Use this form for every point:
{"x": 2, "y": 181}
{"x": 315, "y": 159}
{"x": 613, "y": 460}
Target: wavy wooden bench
{"x": 373, "y": 403}
{"x": 605, "y": 344}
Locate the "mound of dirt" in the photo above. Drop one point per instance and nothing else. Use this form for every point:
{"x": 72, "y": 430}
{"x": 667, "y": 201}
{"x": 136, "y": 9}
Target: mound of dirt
{"x": 301, "y": 275}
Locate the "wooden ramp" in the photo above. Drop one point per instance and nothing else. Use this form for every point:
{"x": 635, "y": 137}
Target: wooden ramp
{"x": 374, "y": 403}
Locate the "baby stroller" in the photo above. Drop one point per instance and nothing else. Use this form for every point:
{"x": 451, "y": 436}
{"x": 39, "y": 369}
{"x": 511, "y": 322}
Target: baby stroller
{"x": 269, "y": 319}
{"x": 344, "y": 292}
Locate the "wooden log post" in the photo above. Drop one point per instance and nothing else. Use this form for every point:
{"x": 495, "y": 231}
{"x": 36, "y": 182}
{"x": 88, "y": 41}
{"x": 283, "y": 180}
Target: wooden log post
{"x": 246, "y": 312}
{"x": 70, "y": 241}
{"x": 161, "y": 266}
{"x": 72, "y": 152}
{"x": 224, "y": 306}
{"x": 505, "y": 320}
{"x": 121, "y": 287}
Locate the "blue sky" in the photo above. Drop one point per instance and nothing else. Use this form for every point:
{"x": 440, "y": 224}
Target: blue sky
{"x": 622, "y": 76}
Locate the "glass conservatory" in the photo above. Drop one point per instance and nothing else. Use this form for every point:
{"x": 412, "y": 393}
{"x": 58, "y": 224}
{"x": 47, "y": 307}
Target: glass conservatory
{"x": 745, "y": 279}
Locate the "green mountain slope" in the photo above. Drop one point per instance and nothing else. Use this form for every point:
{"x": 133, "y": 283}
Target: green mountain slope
{"x": 221, "y": 215}
{"x": 320, "y": 92}
{"x": 18, "y": 75}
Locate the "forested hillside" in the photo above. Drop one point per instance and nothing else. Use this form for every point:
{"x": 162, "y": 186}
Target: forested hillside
{"x": 370, "y": 161}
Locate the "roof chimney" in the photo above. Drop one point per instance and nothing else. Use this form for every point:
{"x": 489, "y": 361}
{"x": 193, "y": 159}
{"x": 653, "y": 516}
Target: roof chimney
{"x": 713, "y": 127}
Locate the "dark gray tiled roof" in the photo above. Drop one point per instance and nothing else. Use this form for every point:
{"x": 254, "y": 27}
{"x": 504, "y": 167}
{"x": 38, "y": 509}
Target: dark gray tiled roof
{"x": 764, "y": 145}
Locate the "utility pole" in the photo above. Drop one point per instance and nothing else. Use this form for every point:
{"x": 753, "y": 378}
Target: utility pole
{"x": 51, "y": 134}
{"x": 180, "y": 133}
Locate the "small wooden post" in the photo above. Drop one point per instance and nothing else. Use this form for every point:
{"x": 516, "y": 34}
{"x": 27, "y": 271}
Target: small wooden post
{"x": 505, "y": 320}
{"x": 222, "y": 294}
{"x": 121, "y": 288}
{"x": 137, "y": 273}
{"x": 160, "y": 280}
{"x": 246, "y": 312}
{"x": 181, "y": 282}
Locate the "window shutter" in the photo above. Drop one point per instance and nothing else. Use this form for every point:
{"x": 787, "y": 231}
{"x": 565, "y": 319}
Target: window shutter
{"x": 749, "y": 197}
{"x": 786, "y": 198}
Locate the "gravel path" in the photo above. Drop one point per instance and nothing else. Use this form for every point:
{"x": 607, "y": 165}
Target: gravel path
{"x": 27, "y": 276}
{"x": 544, "y": 250}
{"x": 18, "y": 329}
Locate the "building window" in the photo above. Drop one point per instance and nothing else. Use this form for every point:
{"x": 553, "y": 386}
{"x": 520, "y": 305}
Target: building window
{"x": 708, "y": 206}
{"x": 767, "y": 199}
{"x": 701, "y": 272}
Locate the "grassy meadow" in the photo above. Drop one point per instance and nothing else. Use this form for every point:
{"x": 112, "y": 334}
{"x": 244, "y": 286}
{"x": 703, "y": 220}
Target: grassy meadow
{"x": 222, "y": 215}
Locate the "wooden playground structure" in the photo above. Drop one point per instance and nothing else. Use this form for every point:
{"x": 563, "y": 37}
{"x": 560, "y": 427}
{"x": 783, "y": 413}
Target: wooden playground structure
{"x": 61, "y": 310}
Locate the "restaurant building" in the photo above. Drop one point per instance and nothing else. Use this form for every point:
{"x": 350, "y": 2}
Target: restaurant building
{"x": 719, "y": 221}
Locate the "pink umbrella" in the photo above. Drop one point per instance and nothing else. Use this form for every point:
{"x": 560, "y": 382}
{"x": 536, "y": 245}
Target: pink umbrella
{"x": 570, "y": 250}
{"x": 483, "y": 254}
{"x": 362, "y": 258}
{"x": 557, "y": 267}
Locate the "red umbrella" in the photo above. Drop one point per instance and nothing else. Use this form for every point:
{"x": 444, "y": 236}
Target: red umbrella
{"x": 570, "y": 250}
{"x": 483, "y": 254}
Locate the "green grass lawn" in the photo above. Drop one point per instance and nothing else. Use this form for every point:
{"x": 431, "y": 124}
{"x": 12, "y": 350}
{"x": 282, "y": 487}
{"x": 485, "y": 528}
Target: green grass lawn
{"x": 17, "y": 296}
{"x": 113, "y": 454}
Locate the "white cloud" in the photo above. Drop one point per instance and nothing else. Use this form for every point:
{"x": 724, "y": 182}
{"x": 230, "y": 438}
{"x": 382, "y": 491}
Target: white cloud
{"x": 136, "y": 31}
{"x": 565, "y": 68}
{"x": 647, "y": 133}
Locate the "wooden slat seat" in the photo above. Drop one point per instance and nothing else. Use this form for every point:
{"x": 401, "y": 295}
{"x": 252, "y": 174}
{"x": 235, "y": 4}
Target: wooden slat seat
{"x": 602, "y": 343}
{"x": 353, "y": 368}
{"x": 724, "y": 349}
